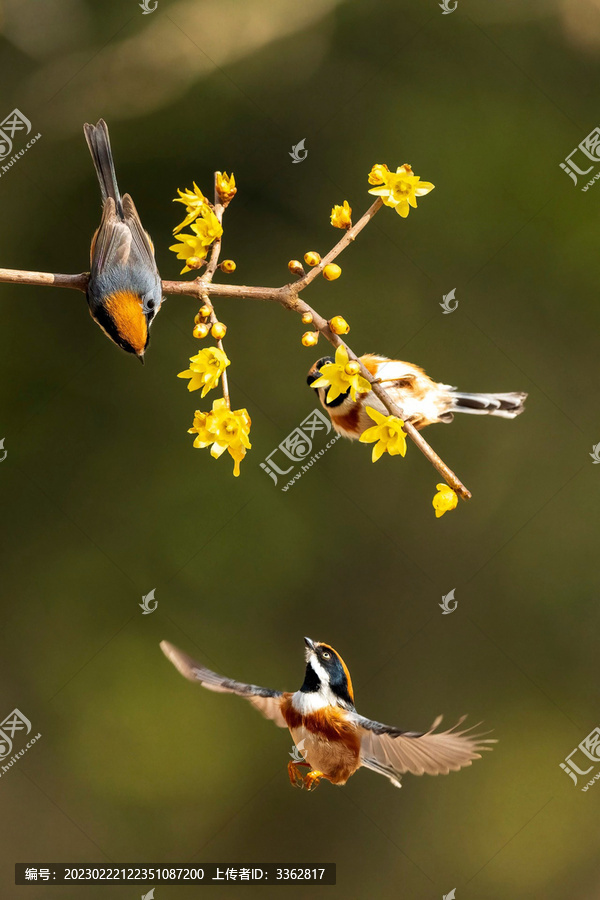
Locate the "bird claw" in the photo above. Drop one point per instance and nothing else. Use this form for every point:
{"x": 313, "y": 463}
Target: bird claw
{"x": 308, "y": 781}
{"x": 296, "y": 779}
{"x": 312, "y": 780}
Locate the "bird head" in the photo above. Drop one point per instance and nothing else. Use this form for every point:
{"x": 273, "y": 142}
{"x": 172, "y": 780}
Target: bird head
{"x": 125, "y": 317}
{"x": 327, "y": 675}
{"x": 314, "y": 374}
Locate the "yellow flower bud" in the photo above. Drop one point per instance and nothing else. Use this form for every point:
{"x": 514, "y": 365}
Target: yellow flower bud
{"x": 331, "y": 272}
{"x": 341, "y": 216}
{"x": 218, "y": 331}
{"x": 310, "y": 338}
{"x": 226, "y": 188}
{"x": 296, "y": 267}
{"x": 227, "y": 266}
{"x": 307, "y": 318}
{"x": 339, "y": 325}
{"x": 200, "y": 331}
{"x": 205, "y": 311}
{"x": 312, "y": 258}
{"x": 353, "y": 367}
{"x": 194, "y": 262}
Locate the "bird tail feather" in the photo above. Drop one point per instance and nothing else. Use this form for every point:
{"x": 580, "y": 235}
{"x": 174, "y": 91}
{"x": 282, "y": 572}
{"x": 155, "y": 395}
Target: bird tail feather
{"x": 506, "y": 405}
{"x": 99, "y": 143}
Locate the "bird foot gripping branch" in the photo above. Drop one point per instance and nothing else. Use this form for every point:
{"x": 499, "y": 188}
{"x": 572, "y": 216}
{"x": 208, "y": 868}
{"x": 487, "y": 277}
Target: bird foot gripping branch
{"x": 369, "y": 397}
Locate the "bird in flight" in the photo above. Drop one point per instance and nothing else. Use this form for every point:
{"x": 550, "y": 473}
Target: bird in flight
{"x": 332, "y": 738}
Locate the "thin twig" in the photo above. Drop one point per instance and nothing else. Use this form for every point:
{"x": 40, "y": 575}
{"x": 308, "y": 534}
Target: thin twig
{"x": 348, "y": 237}
{"x": 287, "y": 296}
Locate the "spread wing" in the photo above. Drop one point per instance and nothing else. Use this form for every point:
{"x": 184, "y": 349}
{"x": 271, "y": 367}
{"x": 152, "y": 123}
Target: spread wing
{"x": 266, "y": 701}
{"x": 392, "y": 752}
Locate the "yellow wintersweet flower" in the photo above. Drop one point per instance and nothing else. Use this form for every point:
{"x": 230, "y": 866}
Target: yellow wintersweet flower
{"x": 341, "y": 216}
{"x": 340, "y": 376}
{"x": 205, "y": 370}
{"x": 225, "y": 429}
{"x": 231, "y": 429}
{"x": 200, "y": 428}
{"x": 206, "y": 228}
{"x": 387, "y": 432}
{"x": 378, "y": 173}
{"x": 189, "y": 246}
{"x": 225, "y": 185}
{"x": 399, "y": 189}
{"x": 193, "y": 201}
{"x": 444, "y": 500}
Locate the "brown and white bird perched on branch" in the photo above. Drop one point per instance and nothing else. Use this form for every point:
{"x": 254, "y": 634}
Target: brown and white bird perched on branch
{"x": 333, "y": 740}
{"x": 422, "y": 401}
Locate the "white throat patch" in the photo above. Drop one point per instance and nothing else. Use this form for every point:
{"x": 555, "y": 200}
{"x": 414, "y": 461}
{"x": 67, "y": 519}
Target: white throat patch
{"x": 308, "y": 702}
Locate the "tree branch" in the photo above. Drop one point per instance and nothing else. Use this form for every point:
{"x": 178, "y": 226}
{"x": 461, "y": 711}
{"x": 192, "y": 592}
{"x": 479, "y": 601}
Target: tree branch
{"x": 287, "y": 296}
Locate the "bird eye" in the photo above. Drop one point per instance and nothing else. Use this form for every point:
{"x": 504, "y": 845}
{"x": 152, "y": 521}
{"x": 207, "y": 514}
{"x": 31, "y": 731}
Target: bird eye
{"x": 150, "y": 304}
{"x": 326, "y": 655}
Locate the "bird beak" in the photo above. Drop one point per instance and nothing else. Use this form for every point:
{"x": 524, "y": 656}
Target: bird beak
{"x": 309, "y": 644}
{"x": 140, "y": 356}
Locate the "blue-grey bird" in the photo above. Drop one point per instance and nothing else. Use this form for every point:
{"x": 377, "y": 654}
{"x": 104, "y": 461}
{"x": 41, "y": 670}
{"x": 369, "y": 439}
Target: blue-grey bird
{"x": 125, "y": 290}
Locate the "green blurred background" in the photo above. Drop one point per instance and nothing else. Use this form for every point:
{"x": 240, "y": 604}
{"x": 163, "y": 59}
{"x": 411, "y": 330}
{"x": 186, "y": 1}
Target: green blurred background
{"x": 103, "y": 497}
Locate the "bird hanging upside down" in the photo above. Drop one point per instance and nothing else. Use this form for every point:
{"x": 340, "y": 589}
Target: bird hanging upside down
{"x": 422, "y": 401}
{"x": 124, "y": 290}
{"x": 332, "y": 738}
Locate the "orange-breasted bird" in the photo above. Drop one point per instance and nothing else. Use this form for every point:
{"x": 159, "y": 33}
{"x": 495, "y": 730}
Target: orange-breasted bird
{"x": 125, "y": 290}
{"x": 422, "y": 400}
{"x": 333, "y": 740}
